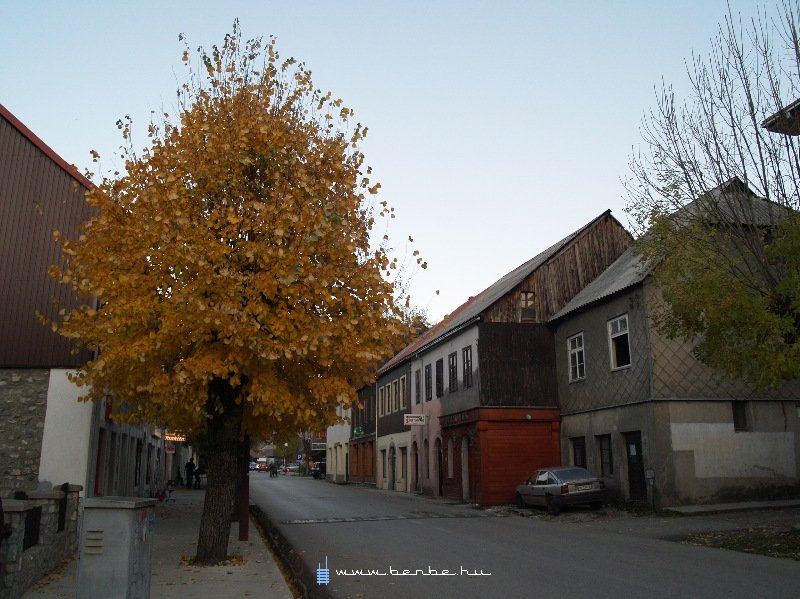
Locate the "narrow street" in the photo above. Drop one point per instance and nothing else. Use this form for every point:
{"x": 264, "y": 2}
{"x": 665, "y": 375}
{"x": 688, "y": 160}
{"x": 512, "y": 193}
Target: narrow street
{"x": 382, "y": 544}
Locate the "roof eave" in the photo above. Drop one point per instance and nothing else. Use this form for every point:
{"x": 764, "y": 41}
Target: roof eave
{"x": 71, "y": 170}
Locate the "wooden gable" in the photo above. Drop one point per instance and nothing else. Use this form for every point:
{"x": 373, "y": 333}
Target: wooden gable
{"x": 550, "y": 286}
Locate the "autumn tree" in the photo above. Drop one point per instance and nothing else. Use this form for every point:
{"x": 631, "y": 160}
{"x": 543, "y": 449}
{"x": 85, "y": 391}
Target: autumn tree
{"x": 238, "y": 291}
{"x": 715, "y": 196}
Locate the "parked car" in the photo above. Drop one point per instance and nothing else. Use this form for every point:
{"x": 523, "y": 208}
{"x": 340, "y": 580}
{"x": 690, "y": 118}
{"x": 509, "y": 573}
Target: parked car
{"x": 253, "y": 466}
{"x": 555, "y": 488}
{"x": 319, "y": 470}
{"x": 262, "y": 467}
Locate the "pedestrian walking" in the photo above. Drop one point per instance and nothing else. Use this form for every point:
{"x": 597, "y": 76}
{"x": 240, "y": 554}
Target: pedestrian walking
{"x": 189, "y": 473}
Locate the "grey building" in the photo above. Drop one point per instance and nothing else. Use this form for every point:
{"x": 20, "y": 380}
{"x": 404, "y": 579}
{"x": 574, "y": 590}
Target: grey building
{"x": 640, "y": 410}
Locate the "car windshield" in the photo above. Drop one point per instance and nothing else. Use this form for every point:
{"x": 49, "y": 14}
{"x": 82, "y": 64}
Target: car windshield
{"x": 572, "y": 474}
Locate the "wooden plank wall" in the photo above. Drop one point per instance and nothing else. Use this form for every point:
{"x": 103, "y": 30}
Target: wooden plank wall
{"x": 559, "y": 279}
{"x": 517, "y": 365}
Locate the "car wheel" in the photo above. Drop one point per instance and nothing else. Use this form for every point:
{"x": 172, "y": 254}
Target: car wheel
{"x": 596, "y": 505}
{"x": 519, "y": 500}
{"x": 552, "y": 506}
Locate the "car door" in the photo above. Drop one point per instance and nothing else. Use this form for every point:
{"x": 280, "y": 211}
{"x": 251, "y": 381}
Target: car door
{"x": 526, "y": 489}
{"x": 539, "y": 488}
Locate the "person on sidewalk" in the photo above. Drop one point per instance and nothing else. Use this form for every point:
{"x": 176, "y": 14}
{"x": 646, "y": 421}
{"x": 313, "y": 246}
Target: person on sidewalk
{"x": 189, "y": 473}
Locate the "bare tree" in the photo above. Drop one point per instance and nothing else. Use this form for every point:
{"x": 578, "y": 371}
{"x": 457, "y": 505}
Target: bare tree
{"x": 714, "y": 197}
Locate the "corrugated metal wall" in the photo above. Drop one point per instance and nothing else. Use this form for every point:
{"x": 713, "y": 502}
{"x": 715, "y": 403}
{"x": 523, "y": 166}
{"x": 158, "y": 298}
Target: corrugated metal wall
{"x": 36, "y": 196}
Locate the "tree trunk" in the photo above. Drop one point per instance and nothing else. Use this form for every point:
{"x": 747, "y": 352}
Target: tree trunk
{"x": 223, "y": 446}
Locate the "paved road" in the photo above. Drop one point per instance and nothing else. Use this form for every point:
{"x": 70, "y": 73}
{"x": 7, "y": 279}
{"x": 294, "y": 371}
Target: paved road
{"x": 381, "y": 544}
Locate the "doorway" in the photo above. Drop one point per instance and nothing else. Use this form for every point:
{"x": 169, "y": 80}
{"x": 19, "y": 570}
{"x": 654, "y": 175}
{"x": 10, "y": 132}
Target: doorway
{"x": 392, "y": 467}
{"x": 439, "y": 473}
{"x": 636, "y": 480}
{"x": 465, "y": 495}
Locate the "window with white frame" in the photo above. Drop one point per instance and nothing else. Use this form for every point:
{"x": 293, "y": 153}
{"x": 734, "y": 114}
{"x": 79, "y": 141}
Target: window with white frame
{"x": 381, "y": 401}
{"x": 396, "y": 394}
{"x": 619, "y": 343}
{"x": 577, "y": 363}
{"x": 402, "y": 393}
{"x": 389, "y": 399}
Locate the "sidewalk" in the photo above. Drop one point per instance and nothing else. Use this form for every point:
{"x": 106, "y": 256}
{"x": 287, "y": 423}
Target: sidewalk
{"x": 720, "y": 508}
{"x": 177, "y": 527}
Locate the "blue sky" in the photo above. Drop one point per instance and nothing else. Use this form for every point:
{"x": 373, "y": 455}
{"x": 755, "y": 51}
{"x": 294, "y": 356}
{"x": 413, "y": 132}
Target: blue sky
{"x": 496, "y": 128}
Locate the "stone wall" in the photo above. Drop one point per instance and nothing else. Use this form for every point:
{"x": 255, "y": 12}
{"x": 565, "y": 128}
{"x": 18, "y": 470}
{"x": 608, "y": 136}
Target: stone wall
{"x": 23, "y": 403}
{"x": 19, "y": 567}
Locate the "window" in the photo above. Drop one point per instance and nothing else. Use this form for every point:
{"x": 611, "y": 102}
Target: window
{"x": 428, "y": 386}
{"x": 402, "y": 392}
{"x": 739, "y": 415}
{"x": 606, "y": 459}
{"x": 381, "y": 401}
{"x": 417, "y": 386}
{"x": 440, "y": 377}
{"x": 618, "y": 343}
{"x": 396, "y": 394}
{"x": 452, "y": 372}
{"x": 526, "y": 306}
{"x": 579, "y": 452}
{"x": 383, "y": 462}
{"x": 404, "y": 463}
{"x": 467, "y": 355}
{"x": 577, "y": 364}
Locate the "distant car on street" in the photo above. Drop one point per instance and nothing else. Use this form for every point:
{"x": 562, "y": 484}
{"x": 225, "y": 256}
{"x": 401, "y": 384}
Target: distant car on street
{"x": 253, "y": 466}
{"x": 562, "y": 486}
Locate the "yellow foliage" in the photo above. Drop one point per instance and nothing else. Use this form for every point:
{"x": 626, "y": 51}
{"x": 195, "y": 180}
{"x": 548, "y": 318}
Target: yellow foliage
{"x": 235, "y": 247}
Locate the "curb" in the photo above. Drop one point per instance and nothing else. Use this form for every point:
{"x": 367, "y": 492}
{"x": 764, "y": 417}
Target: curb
{"x": 301, "y": 581}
